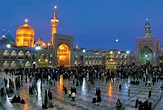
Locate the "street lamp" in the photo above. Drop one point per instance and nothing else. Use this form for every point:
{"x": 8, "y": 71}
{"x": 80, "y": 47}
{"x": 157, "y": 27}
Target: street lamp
{"x": 146, "y": 56}
{"x": 8, "y": 45}
{"x": 127, "y": 52}
{"x": 38, "y": 48}
{"x": 48, "y": 46}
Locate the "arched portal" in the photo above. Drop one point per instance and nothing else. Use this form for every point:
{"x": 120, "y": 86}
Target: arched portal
{"x": 42, "y": 61}
{"x": 63, "y": 55}
{"x": 145, "y": 55}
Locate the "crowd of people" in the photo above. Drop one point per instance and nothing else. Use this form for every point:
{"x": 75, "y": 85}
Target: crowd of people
{"x": 77, "y": 73}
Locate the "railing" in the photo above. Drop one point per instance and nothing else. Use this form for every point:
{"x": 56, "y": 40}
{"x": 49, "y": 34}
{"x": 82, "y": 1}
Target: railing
{"x": 1, "y": 106}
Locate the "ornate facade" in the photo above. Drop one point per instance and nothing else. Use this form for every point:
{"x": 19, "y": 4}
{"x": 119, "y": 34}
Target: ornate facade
{"x": 24, "y": 52}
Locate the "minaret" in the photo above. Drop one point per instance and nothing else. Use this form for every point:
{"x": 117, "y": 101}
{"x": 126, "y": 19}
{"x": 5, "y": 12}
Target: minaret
{"x": 54, "y": 23}
{"x": 77, "y": 45}
{"x": 147, "y": 29}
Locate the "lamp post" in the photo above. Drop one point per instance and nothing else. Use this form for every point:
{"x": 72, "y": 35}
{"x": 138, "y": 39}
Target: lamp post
{"x": 146, "y": 56}
{"x": 38, "y": 48}
{"x": 128, "y": 56}
{"x": 48, "y": 46}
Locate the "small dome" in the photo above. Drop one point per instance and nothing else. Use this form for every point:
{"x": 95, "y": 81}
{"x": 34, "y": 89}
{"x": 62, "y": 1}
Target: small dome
{"x": 25, "y": 29}
{"x": 41, "y": 43}
{"x": 8, "y": 36}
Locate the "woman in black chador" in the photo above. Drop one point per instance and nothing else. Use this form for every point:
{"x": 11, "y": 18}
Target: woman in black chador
{"x": 44, "y": 105}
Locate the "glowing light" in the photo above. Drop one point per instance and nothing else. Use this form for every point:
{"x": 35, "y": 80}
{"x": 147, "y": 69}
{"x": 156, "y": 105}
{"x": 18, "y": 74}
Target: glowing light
{"x": 111, "y": 52}
{"x": 116, "y": 40}
{"x": 127, "y": 52}
{"x": 83, "y": 50}
{"x": 38, "y": 48}
{"x": 55, "y": 7}
{"x": 48, "y": 43}
{"x": 110, "y": 90}
{"x": 146, "y": 56}
{"x": 147, "y": 19}
{"x": 8, "y": 45}
{"x": 26, "y": 20}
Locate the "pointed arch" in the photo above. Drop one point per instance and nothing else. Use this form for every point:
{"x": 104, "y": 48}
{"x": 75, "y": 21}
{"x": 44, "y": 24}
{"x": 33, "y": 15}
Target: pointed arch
{"x": 13, "y": 54}
{"x": 145, "y": 55}
{"x": 20, "y": 55}
{"x": 63, "y": 55}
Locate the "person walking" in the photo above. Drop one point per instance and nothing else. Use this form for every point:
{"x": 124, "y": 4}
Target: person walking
{"x": 129, "y": 91}
{"x": 120, "y": 86}
{"x": 89, "y": 86}
{"x": 149, "y": 94}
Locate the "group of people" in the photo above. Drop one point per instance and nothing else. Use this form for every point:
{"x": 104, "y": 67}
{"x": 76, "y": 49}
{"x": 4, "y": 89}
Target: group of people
{"x": 146, "y": 105}
{"x": 77, "y": 73}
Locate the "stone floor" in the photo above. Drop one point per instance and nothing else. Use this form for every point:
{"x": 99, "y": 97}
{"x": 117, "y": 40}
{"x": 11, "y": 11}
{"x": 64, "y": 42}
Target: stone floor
{"x": 109, "y": 94}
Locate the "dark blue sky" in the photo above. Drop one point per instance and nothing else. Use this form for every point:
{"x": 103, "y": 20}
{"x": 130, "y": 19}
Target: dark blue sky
{"x": 93, "y": 23}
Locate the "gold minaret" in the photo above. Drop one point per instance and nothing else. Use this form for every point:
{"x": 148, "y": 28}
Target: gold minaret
{"x": 54, "y": 24}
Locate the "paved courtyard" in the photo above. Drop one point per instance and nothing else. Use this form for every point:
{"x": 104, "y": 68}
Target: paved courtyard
{"x": 109, "y": 94}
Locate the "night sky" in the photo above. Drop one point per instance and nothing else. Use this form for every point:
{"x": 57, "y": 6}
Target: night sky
{"x": 93, "y": 23}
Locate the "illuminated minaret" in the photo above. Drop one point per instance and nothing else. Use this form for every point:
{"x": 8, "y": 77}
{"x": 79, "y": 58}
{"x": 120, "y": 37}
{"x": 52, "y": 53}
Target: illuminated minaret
{"x": 147, "y": 29}
{"x": 54, "y": 23}
{"x": 77, "y": 45}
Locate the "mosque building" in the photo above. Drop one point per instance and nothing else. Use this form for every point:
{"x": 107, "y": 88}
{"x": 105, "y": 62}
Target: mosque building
{"x": 148, "y": 50}
{"x": 28, "y": 53}
{"x": 25, "y": 52}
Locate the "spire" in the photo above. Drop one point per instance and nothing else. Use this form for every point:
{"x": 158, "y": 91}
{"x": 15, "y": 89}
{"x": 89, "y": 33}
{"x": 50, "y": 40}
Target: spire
{"x": 77, "y": 45}
{"x": 147, "y": 28}
{"x": 55, "y": 13}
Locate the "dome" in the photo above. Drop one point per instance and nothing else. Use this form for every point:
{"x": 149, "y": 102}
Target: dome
{"x": 41, "y": 43}
{"x": 25, "y": 29}
{"x": 25, "y": 36}
{"x": 8, "y": 36}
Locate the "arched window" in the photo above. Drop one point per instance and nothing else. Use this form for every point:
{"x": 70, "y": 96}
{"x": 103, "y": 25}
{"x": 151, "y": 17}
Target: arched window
{"x": 20, "y": 55}
{"x": 6, "y": 54}
{"x": 13, "y": 54}
{"x": 27, "y": 55}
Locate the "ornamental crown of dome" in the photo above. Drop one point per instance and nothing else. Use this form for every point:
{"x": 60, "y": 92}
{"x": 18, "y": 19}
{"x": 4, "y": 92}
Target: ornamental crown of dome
{"x": 147, "y": 23}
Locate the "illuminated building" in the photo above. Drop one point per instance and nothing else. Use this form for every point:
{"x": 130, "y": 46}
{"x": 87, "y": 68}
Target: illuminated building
{"x": 25, "y": 35}
{"x": 24, "y": 52}
{"x": 148, "y": 50}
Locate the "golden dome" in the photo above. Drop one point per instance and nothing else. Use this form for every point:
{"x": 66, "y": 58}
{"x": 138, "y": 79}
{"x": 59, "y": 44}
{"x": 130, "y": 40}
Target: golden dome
{"x": 41, "y": 43}
{"x": 25, "y": 29}
{"x": 25, "y": 35}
